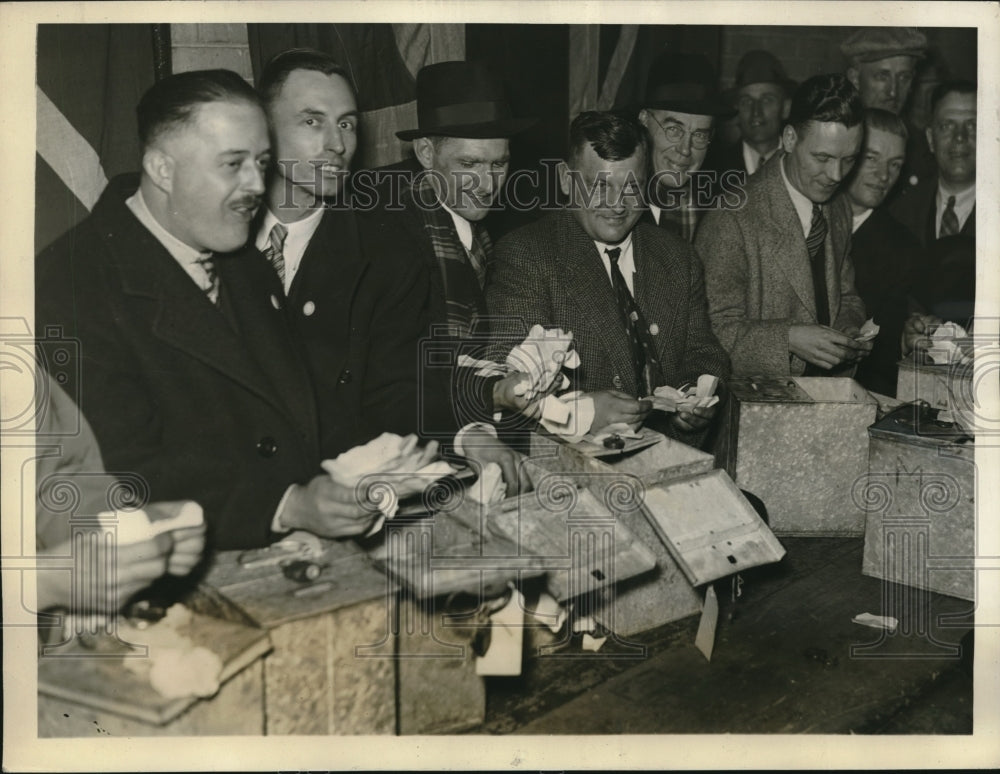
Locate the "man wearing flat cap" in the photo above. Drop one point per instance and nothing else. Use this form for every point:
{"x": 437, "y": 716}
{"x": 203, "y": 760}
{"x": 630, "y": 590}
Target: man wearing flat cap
{"x": 679, "y": 110}
{"x": 461, "y": 143}
{"x": 762, "y": 95}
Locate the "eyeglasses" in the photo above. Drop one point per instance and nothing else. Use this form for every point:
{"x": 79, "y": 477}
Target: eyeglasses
{"x": 700, "y": 138}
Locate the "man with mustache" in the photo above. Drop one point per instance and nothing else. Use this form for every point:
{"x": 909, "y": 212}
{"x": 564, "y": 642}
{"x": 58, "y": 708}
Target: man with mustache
{"x": 941, "y": 212}
{"x": 187, "y": 372}
{"x": 778, "y": 276}
{"x": 884, "y": 253}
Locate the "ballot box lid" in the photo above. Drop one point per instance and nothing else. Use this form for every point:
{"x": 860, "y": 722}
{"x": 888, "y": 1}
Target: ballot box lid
{"x": 767, "y": 389}
{"x": 99, "y": 680}
{"x": 917, "y": 424}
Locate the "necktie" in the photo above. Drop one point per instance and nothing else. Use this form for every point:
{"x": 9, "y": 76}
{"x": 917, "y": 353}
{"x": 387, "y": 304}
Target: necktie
{"x": 481, "y": 247}
{"x": 817, "y": 264}
{"x": 641, "y": 342}
{"x": 212, "y": 291}
{"x": 949, "y": 220}
{"x": 273, "y": 250}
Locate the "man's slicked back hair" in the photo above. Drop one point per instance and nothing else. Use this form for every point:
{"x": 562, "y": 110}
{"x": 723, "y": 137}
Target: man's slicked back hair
{"x": 826, "y": 99}
{"x": 173, "y": 101}
{"x": 886, "y": 121}
{"x": 613, "y": 136}
{"x": 280, "y": 66}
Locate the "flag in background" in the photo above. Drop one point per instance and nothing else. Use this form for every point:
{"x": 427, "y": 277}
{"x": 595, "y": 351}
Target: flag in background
{"x": 382, "y": 61}
{"x": 90, "y": 78}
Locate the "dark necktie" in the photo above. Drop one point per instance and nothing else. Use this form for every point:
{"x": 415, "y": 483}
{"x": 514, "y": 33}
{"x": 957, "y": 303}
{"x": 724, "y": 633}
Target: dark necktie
{"x": 641, "y": 342}
{"x": 949, "y": 220}
{"x": 274, "y": 251}
{"x": 212, "y": 291}
{"x": 817, "y": 264}
{"x": 481, "y": 247}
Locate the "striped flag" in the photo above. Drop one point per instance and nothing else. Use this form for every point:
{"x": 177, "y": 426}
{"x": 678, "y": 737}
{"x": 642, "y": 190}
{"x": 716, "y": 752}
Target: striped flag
{"x": 90, "y": 78}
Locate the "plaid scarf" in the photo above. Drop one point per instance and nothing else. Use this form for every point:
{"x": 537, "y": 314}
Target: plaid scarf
{"x": 463, "y": 273}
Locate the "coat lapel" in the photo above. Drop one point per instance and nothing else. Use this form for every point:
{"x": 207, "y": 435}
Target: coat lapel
{"x": 589, "y": 289}
{"x": 785, "y": 240}
{"x": 655, "y": 286}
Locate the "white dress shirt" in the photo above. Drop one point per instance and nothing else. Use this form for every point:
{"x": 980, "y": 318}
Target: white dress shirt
{"x": 803, "y": 205}
{"x": 964, "y": 202}
{"x": 462, "y": 226}
{"x": 626, "y": 261}
{"x": 753, "y": 160}
{"x": 296, "y": 242}
{"x": 183, "y": 253}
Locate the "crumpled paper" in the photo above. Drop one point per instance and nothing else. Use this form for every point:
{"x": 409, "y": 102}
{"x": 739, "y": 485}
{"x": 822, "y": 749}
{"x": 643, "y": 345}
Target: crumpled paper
{"x": 408, "y": 469}
{"x": 542, "y": 355}
{"x": 136, "y": 526}
{"x": 176, "y": 667}
{"x": 868, "y": 331}
{"x": 574, "y": 409}
{"x": 490, "y": 487}
{"x": 700, "y": 395}
{"x": 944, "y": 348}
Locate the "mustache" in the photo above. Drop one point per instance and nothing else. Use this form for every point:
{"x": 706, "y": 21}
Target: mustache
{"x": 247, "y": 201}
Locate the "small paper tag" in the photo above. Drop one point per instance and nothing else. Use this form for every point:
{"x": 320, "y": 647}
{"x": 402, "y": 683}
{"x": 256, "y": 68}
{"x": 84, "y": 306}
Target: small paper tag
{"x": 705, "y": 639}
{"x": 506, "y": 637}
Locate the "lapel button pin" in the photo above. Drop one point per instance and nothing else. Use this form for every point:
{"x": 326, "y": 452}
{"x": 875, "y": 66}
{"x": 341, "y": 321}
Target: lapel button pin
{"x": 308, "y": 308}
{"x": 654, "y": 329}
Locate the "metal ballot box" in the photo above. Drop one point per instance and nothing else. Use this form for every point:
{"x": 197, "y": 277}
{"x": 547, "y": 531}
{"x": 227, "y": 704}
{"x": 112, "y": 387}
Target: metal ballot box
{"x": 799, "y": 444}
{"x": 919, "y": 495}
{"x": 941, "y": 386}
{"x": 696, "y": 522}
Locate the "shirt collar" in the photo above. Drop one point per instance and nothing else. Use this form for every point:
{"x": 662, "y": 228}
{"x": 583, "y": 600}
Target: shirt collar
{"x": 754, "y": 160}
{"x": 183, "y": 253}
{"x": 803, "y": 205}
{"x": 858, "y": 220}
{"x": 301, "y": 229}
{"x": 963, "y": 199}
{"x": 462, "y": 226}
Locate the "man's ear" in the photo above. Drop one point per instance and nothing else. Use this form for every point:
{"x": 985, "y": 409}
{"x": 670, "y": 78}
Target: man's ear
{"x": 644, "y": 117}
{"x": 854, "y": 76}
{"x": 788, "y": 138}
{"x": 423, "y": 149}
{"x": 159, "y": 168}
{"x": 562, "y": 169}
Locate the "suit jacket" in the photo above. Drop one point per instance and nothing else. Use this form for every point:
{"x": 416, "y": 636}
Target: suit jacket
{"x": 945, "y": 281}
{"x": 358, "y": 305}
{"x": 196, "y": 405}
{"x": 885, "y": 257}
{"x": 728, "y": 156}
{"x": 758, "y": 280}
{"x": 550, "y": 273}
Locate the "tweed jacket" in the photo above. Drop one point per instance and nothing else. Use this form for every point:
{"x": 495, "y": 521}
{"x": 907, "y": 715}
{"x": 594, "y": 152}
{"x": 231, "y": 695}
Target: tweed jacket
{"x": 758, "y": 280}
{"x": 550, "y": 273}
{"x": 191, "y": 400}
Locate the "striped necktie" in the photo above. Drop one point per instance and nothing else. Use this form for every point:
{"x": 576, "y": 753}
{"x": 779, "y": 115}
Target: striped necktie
{"x": 482, "y": 245}
{"x": 643, "y": 348}
{"x": 274, "y": 249}
{"x": 817, "y": 264}
{"x": 949, "y": 220}
{"x": 212, "y": 274}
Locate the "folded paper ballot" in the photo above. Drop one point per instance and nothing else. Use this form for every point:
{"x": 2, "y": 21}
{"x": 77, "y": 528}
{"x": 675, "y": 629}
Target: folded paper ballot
{"x": 944, "y": 348}
{"x": 396, "y": 467}
{"x": 137, "y": 526}
{"x": 868, "y": 331}
{"x": 700, "y": 395}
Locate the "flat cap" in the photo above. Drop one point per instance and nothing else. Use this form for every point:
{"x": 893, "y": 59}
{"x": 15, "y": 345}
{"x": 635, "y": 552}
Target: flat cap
{"x": 869, "y": 44}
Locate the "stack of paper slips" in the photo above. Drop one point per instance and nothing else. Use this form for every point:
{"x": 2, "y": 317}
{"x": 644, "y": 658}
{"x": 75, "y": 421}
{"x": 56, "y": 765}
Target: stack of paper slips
{"x": 388, "y": 468}
{"x": 701, "y": 395}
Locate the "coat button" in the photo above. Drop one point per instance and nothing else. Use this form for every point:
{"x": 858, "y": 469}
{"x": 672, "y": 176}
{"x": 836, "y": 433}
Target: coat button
{"x": 345, "y": 376}
{"x": 654, "y": 329}
{"x": 308, "y": 308}
{"x": 617, "y": 382}
{"x": 275, "y": 302}
{"x": 267, "y": 446}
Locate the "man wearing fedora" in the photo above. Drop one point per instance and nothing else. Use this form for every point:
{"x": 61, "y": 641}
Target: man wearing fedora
{"x": 778, "y": 277}
{"x": 763, "y": 96}
{"x": 437, "y": 206}
{"x": 679, "y": 110}
{"x": 631, "y": 293}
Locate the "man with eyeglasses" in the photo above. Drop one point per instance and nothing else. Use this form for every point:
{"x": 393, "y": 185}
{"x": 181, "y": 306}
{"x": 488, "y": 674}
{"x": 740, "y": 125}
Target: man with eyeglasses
{"x": 762, "y": 95}
{"x": 779, "y": 280}
{"x": 679, "y": 110}
{"x": 941, "y": 212}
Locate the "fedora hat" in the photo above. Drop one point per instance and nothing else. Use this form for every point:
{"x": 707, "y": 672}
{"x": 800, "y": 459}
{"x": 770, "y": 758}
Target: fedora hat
{"x": 462, "y": 99}
{"x": 761, "y": 67}
{"x": 686, "y": 83}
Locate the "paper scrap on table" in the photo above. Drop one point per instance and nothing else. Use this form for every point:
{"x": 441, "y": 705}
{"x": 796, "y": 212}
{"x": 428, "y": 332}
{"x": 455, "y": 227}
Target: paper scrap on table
{"x": 549, "y": 612}
{"x": 868, "y": 331}
{"x": 593, "y": 643}
{"x": 688, "y": 397}
{"x": 304, "y": 545}
{"x": 137, "y": 526}
{"x": 705, "y": 639}
{"x": 503, "y": 657}
{"x": 584, "y": 624}
{"x": 408, "y": 469}
{"x": 886, "y": 622}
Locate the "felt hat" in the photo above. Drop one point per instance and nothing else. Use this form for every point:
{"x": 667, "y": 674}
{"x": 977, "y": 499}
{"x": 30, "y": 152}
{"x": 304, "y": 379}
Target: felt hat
{"x": 462, "y": 99}
{"x": 761, "y": 67}
{"x": 869, "y": 44}
{"x": 686, "y": 83}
